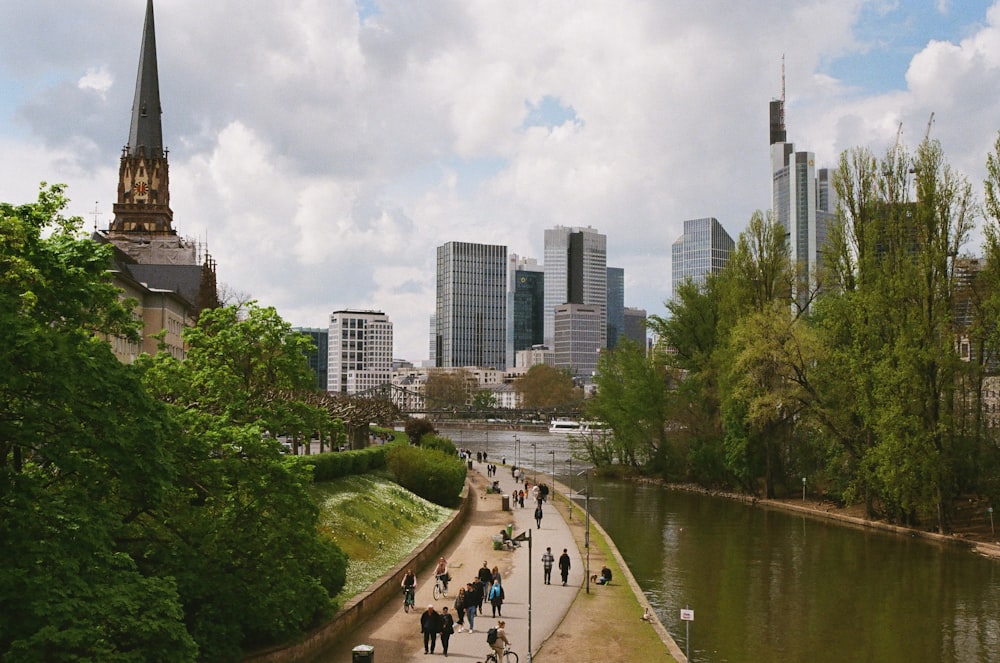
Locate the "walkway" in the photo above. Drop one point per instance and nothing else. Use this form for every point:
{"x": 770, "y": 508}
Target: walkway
{"x": 395, "y": 635}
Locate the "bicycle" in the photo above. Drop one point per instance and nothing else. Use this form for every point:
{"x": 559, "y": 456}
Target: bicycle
{"x": 508, "y": 656}
{"x": 440, "y": 589}
{"x": 408, "y": 599}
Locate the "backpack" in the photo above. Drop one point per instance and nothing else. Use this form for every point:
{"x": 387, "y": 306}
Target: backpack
{"x": 491, "y": 636}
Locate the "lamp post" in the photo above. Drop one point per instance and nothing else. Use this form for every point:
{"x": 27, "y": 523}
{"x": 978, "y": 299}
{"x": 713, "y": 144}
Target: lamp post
{"x": 586, "y": 531}
{"x": 534, "y": 463}
{"x": 803, "y": 489}
{"x": 570, "y": 461}
{"x": 553, "y": 453}
{"x": 517, "y": 452}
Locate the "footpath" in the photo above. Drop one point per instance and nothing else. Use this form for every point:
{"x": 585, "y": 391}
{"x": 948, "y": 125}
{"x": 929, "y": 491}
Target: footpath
{"x": 395, "y": 635}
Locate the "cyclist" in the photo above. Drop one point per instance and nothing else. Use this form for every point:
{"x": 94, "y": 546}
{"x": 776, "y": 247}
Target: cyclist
{"x": 501, "y": 641}
{"x": 409, "y": 584}
{"x": 441, "y": 573}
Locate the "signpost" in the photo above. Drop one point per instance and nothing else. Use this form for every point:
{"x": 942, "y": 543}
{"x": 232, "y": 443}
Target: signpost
{"x": 687, "y": 616}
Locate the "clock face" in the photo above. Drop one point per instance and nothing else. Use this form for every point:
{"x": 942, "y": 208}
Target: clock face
{"x": 140, "y": 188}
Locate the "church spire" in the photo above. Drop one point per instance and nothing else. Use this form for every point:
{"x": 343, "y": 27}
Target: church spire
{"x": 145, "y": 132}
{"x": 143, "y": 204}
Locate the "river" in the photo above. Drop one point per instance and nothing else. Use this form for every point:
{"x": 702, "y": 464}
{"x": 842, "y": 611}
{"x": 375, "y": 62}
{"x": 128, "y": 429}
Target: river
{"x": 767, "y": 585}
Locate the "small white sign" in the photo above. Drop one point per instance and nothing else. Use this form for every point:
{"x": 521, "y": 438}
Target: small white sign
{"x": 687, "y": 615}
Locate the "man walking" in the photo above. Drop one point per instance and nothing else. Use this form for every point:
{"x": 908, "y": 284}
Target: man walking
{"x": 430, "y": 626}
{"x": 547, "y": 561}
{"x": 485, "y": 582}
{"x": 564, "y": 566}
{"x": 538, "y": 516}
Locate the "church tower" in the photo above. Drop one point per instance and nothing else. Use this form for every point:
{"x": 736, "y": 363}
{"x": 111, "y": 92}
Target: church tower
{"x": 143, "y": 205}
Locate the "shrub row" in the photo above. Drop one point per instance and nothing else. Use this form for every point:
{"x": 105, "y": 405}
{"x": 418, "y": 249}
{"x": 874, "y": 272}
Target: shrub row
{"x": 336, "y": 464}
{"x": 432, "y": 474}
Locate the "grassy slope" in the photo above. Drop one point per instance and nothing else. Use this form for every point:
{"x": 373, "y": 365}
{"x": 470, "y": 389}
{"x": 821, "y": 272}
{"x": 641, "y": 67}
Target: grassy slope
{"x": 376, "y": 523}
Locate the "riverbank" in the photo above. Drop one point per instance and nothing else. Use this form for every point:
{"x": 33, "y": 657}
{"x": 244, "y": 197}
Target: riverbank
{"x": 979, "y": 537}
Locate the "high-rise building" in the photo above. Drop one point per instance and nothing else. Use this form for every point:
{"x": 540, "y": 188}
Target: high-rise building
{"x": 360, "y": 356}
{"x": 578, "y": 339}
{"x": 635, "y": 326}
{"x": 575, "y": 273}
{"x": 525, "y": 305}
{"x": 615, "y": 306}
{"x": 319, "y": 358}
{"x": 703, "y": 249}
{"x": 471, "y": 309}
{"x": 803, "y": 198}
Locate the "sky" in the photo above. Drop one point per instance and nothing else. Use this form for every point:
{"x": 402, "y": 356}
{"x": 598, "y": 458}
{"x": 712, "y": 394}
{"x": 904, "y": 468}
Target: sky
{"x": 323, "y": 149}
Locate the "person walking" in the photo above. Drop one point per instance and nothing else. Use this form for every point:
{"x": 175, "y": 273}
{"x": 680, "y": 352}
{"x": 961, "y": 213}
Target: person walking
{"x": 430, "y": 626}
{"x": 460, "y": 607}
{"x": 496, "y": 598}
{"x": 564, "y": 566}
{"x": 485, "y": 580}
{"x": 547, "y": 561}
{"x": 473, "y": 593}
{"x": 538, "y": 516}
{"x": 447, "y": 628}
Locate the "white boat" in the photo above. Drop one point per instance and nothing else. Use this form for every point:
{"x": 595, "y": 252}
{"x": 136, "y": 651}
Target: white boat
{"x": 573, "y": 426}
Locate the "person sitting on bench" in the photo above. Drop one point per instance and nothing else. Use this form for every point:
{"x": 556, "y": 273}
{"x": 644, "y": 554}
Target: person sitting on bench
{"x": 507, "y": 540}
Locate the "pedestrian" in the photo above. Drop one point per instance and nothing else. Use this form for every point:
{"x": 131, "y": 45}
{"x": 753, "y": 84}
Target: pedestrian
{"x": 447, "y": 628}
{"x": 520, "y": 498}
{"x": 538, "y": 516}
{"x": 495, "y": 575}
{"x": 472, "y": 601}
{"x": 430, "y": 626}
{"x": 547, "y": 560}
{"x": 564, "y": 566}
{"x": 485, "y": 580}
{"x": 496, "y": 598}
{"x": 460, "y": 607}
{"x": 501, "y": 641}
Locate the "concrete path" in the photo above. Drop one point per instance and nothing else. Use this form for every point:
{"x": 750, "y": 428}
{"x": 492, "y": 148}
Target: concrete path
{"x": 395, "y": 635}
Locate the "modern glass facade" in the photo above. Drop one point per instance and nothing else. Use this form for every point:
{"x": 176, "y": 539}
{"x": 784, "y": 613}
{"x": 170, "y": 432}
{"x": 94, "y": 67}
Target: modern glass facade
{"x": 360, "y": 356}
{"x": 575, "y": 273}
{"x": 527, "y": 309}
{"x": 319, "y": 359}
{"x": 703, "y": 249}
{"x": 616, "y": 305}
{"x": 471, "y": 308}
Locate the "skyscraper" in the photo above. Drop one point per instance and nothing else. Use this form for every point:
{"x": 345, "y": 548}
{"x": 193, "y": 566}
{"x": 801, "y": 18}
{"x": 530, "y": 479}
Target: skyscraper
{"x": 635, "y": 326}
{"x": 803, "y": 199}
{"x": 526, "y": 306}
{"x": 471, "y": 308}
{"x": 578, "y": 333}
{"x": 616, "y": 306}
{"x": 703, "y": 249}
{"x": 319, "y": 358}
{"x": 575, "y": 273}
{"x": 360, "y": 355}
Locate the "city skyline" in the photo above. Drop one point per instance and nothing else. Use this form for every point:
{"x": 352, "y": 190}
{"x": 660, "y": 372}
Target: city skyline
{"x": 322, "y": 153}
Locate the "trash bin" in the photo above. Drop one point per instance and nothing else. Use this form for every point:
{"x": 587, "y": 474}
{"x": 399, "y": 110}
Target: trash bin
{"x": 505, "y": 502}
{"x": 470, "y": 464}
{"x": 497, "y": 542}
{"x": 363, "y": 654}
{"x": 510, "y": 530}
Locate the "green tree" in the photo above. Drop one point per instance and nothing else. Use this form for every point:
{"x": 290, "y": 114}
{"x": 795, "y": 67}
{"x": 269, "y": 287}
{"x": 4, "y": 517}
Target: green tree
{"x": 86, "y": 456}
{"x": 632, "y": 399}
{"x": 448, "y": 389}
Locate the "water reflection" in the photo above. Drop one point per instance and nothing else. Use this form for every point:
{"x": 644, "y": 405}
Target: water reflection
{"x": 772, "y": 586}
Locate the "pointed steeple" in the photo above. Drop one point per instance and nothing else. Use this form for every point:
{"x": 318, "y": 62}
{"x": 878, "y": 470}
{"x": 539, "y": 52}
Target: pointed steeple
{"x": 146, "y": 132}
{"x": 143, "y": 205}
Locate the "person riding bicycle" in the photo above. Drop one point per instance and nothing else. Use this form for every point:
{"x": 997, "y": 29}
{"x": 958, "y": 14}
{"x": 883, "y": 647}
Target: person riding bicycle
{"x": 501, "y": 642}
{"x": 409, "y": 583}
{"x": 441, "y": 572}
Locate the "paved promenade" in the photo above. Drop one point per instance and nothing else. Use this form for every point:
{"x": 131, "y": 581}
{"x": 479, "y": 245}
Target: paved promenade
{"x": 395, "y": 635}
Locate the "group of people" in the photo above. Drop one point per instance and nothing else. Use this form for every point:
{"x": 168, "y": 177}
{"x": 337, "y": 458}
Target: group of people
{"x": 487, "y": 585}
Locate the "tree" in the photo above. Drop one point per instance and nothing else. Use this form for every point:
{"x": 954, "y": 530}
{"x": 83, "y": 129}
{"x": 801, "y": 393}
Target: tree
{"x": 86, "y": 456}
{"x": 546, "y": 387}
{"x": 448, "y": 389}
{"x": 632, "y": 399}
{"x": 416, "y": 428}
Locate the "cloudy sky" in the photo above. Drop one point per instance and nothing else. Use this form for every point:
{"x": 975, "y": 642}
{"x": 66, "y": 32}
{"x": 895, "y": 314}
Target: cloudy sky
{"x": 325, "y": 148}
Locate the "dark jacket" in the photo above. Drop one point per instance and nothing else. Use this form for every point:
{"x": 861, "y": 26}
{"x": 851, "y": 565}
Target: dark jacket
{"x": 564, "y": 562}
{"x": 430, "y": 622}
{"x": 474, "y": 596}
{"x": 485, "y": 575}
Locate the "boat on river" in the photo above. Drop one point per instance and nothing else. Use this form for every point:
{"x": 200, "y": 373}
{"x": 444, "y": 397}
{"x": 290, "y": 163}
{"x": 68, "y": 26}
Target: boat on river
{"x": 573, "y": 426}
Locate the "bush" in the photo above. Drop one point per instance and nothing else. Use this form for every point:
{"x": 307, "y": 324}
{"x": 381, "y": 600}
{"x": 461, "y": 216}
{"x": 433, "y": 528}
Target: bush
{"x": 335, "y": 464}
{"x": 416, "y": 429}
{"x": 442, "y": 444}
{"x": 430, "y": 473}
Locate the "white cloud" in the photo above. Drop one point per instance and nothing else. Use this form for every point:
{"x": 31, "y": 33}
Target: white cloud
{"x": 324, "y": 158}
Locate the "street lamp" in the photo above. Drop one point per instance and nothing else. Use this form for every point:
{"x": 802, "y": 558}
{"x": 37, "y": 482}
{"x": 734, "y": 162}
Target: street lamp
{"x": 553, "y": 452}
{"x": 586, "y": 532}
{"x": 570, "y": 461}
{"x": 517, "y": 452}
{"x": 534, "y": 464}
{"x": 803, "y": 489}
